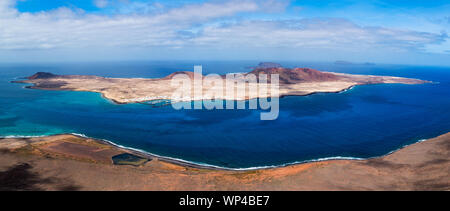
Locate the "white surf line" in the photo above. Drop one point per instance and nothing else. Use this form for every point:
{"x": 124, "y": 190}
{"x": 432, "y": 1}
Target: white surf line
{"x": 220, "y": 167}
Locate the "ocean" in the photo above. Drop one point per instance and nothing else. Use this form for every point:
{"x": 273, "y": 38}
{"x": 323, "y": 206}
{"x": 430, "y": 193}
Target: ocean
{"x": 363, "y": 122}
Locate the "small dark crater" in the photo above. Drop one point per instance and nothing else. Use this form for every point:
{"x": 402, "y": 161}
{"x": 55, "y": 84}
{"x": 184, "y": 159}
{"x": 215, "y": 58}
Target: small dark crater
{"x": 129, "y": 159}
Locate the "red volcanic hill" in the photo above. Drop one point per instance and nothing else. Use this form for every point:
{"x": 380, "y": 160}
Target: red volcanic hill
{"x": 296, "y": 75}
{"x": 188, "y": 73}
{"x": 42, "y": 75}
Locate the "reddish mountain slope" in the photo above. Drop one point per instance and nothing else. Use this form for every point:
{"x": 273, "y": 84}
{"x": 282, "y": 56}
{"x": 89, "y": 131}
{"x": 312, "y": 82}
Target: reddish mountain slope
{"x": 190, "y": 74}
{"x": 296, "y": 75}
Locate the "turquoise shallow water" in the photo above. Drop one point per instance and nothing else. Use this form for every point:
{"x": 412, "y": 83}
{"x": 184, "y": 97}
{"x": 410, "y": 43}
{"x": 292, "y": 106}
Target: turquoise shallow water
{"x": 363, "y": 122}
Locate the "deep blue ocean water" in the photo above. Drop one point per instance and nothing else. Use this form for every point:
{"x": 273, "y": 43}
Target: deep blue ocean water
{"x": 363, "y": 122}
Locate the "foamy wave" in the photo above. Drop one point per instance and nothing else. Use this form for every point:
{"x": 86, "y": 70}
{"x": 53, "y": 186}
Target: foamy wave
{"x": 419, "y": 141}
{"x": 298, "y": 162}
{"x": 345, "y": 90}
{"x": 80, "y": 135}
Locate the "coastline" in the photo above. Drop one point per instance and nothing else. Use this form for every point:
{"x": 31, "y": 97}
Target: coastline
{"x": 198, "y": 165}
{"x": 68, "y": 162}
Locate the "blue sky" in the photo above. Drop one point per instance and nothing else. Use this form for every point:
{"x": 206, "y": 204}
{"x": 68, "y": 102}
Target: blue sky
{"x": 380, "y": 31}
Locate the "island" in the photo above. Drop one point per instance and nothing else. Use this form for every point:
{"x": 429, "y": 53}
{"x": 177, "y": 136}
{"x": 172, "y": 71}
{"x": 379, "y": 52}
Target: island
{"x": 74, "y": 162}
{"x": 71, "y": 162}
{"x": 292, "y": 81}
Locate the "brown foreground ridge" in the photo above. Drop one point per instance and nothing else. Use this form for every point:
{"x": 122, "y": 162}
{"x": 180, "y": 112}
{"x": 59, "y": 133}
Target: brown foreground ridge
{"x": 292, "y": 81}
{"x": 69, "y": 162}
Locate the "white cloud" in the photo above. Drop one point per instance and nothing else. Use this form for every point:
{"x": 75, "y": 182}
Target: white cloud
{"x": 64, "y": 27}
{"x": 315, "y": 33}
{"x": 7, "y": 8}
{"x": 101, "y": 3}
{"x": 138, "y": 7}
{"x": 207, "y": 24}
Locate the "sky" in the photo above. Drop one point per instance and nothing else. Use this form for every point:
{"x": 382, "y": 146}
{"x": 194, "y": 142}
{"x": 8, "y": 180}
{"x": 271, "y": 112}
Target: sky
{"x": 378, "y": 31}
